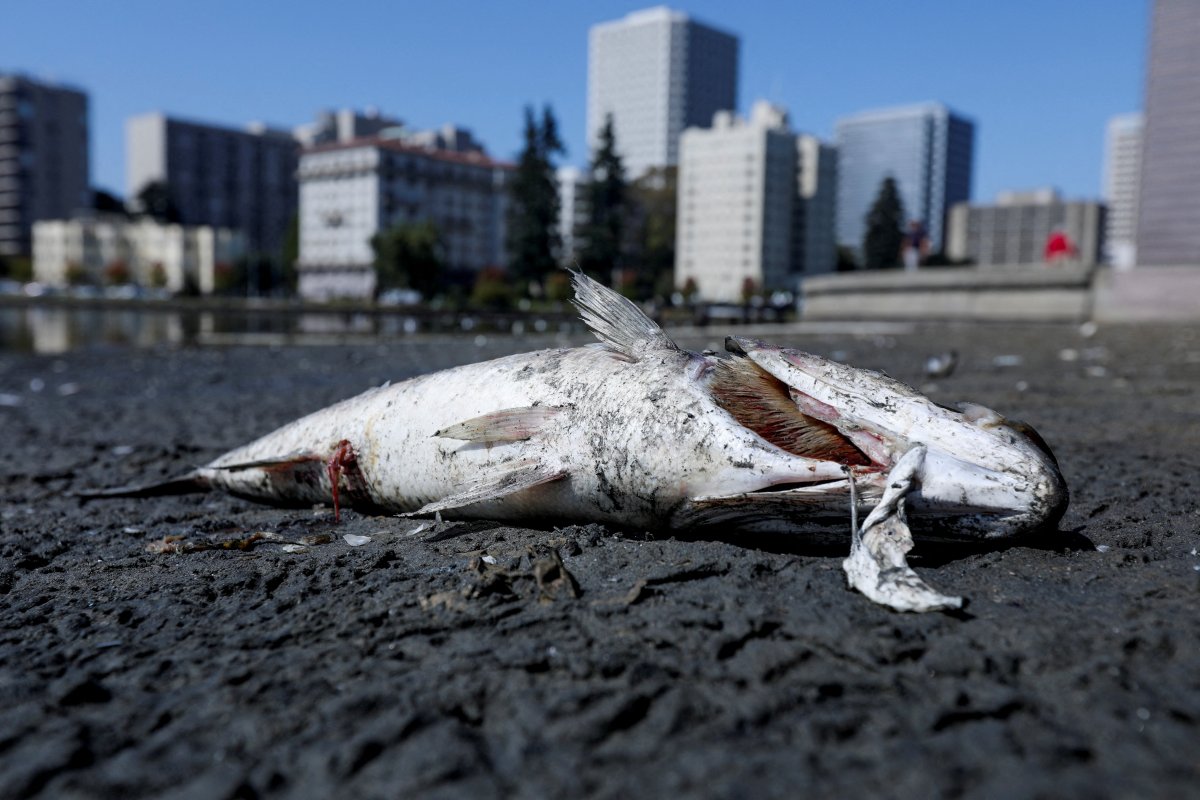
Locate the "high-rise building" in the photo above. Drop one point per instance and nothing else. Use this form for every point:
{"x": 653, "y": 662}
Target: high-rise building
{"x": 572, "y": 211}
{"x": 1122, "y": 182}
{"x": 928, "y": 149}
{"x": 1017, "y": 227}
{"x": 657, "y": 72}
{"x": 1168, "y": 231}
{"x": 755, "y": 205}
{"x": 350, "y": 191}
{"x": 43, "y": 157}
{"x": 239, "y": 179}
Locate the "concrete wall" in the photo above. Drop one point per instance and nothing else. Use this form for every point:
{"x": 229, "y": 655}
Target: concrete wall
{"x": 994, "y": 293}
{"x": 1148, "y": 294}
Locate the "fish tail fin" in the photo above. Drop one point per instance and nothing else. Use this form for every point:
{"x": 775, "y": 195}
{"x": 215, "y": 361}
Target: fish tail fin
{"x": 184, "y": 484}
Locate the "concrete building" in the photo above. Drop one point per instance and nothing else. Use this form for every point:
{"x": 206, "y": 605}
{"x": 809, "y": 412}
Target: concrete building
{"x": 239, "y": 179}
{"x": 657, "y": 72}
{"x": 816, "y": 227}
{"x": 572, "y": 211}
{"x": 1122, "y": 183}
{"x": 152, "y": 253}
{"x": 351, "y": 191}
{"x": 449, "y": 138}
{"x": 43, "y": 157}
{"x": 1016, "y": 228}
{"x": 343, "y": 125}
{"x": 1168, "y": 230}
{"x": 755, "y": 205}
{"x": 928, "y": 149}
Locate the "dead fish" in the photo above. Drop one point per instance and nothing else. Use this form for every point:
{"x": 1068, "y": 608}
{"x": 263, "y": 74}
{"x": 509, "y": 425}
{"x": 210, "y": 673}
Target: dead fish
{"x": 634, "y": 431}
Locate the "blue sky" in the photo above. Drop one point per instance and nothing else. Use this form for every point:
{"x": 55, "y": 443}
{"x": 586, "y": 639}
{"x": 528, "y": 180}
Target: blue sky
{"x": 1039, "y": 77}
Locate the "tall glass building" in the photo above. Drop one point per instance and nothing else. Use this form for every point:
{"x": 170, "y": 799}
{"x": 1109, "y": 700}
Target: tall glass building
{"x": 1168, "y": 230}
{"x": 927, "y": 149}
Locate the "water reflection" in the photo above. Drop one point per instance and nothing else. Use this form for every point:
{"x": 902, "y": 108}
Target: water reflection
{"x": 57, "y": 329}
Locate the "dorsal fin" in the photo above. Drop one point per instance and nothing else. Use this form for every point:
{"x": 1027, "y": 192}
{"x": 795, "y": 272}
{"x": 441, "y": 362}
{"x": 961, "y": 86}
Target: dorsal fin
{"x": 617, "y": 321}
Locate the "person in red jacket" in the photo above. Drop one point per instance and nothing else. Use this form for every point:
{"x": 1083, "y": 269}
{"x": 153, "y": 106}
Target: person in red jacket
{"x": 1059, "y": 247}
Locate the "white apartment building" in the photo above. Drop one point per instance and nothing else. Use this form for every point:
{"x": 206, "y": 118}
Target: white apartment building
{"x": 229, "y": 178}
{"x": 1016, "y": 228}
{"x": 756, "y": 204}
{"x": 43, "y": 157}
{"x": 1122, "y": 184}
{"x": 154, "y": 253}
{"x": 657, "y": 72}
{"x": 351, "y": 191}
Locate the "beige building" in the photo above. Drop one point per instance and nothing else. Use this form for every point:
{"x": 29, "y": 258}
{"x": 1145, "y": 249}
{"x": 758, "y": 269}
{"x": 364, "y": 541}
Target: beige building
{"x": 152, "y": 253}
{"x": 1016, "y": 228}
{"x": 351, "y": 191}
{"x": 755, "y": 206}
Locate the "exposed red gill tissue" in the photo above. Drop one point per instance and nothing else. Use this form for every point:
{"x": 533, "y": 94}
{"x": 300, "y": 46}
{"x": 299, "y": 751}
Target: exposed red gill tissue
{"x": 342, "y": 459}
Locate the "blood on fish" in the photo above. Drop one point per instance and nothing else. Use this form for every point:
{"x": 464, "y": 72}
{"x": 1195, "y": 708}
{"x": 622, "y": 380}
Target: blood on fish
{"x": 342, "y": 459}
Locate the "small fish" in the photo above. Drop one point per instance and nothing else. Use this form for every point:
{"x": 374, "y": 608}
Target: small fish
{"x": 634, "y": 431}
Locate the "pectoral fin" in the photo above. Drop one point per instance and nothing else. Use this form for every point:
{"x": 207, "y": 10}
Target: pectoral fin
{"x": 508, "y": 425}
{"x": 877, "y": 566}
{"x": 494, "y": 486}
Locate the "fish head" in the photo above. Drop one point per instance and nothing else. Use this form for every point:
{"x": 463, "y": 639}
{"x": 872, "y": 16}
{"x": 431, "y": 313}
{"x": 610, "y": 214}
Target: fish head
{"x": 983, "y": 476}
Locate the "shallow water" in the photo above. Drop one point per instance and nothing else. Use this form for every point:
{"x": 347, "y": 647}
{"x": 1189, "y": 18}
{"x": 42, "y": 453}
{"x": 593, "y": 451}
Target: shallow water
{"x": 57, "y": 329}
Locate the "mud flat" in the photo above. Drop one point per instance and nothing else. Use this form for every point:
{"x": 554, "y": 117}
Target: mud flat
{"x": 581, "y": 661}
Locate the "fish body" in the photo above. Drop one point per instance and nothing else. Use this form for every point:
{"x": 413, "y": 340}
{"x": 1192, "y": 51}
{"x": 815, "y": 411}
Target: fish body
{"x": 634, "y": 431}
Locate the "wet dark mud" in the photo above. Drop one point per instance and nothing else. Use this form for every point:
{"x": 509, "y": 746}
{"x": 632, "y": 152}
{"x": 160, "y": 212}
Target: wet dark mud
{"x": 150, "y": 648}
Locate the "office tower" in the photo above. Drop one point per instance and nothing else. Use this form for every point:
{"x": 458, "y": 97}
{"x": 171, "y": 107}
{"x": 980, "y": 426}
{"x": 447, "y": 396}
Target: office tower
{"x": 748, "y": 191}
{"x": 926, "y": 148}
{"x": 1122, "y": 179}
{"x": 1015, "y": 229}
{"x": 1168, "y": 229}
{"x": 572, "y": 211}
{"x": 657, "y": 72}
{"x": 239, "y": 179}
{"x": 350, "y": 191}
{"x": 43, "y": 157}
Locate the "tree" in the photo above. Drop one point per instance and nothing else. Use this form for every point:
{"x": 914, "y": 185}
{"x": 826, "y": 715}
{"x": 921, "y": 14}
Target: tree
{"x": 409, "y": 255}
{"x": 532, "y": 238}
{"x": 885, "y": 228}
{"x": 289, "y": 254}
{"x": 652, "y": 202}
{"x": 603, "y": 247}
{"x": 155, "y": 200}
{"x": 108, "y": 203}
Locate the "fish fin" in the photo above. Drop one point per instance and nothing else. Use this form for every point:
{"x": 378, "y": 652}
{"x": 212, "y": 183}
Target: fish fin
{"x": 495, "y": 486}
{"x": 184, "y": 484}
{"x": 877, "y": 566}
{"x": 508, "y": 425}
{"x": 617, "y": 321}
{"x": 279, "y": 464}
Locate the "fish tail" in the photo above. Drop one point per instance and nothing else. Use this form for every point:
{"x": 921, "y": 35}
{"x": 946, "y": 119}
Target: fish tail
{"x": 184, "y": 484}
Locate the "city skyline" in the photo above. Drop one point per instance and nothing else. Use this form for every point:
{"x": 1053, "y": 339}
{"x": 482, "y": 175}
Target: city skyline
{"x": 1040, "y": 79}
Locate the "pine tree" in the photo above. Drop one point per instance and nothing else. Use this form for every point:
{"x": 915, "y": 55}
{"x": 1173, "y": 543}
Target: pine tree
{"x": 532, "y": 239}
{"x": 606, "y": 200}
{"x": 885, "y": 228}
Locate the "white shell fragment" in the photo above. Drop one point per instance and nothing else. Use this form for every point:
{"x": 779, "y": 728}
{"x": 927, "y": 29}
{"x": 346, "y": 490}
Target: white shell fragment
{"x": 294, "y": 548}
{"x": 354, "y": 540}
